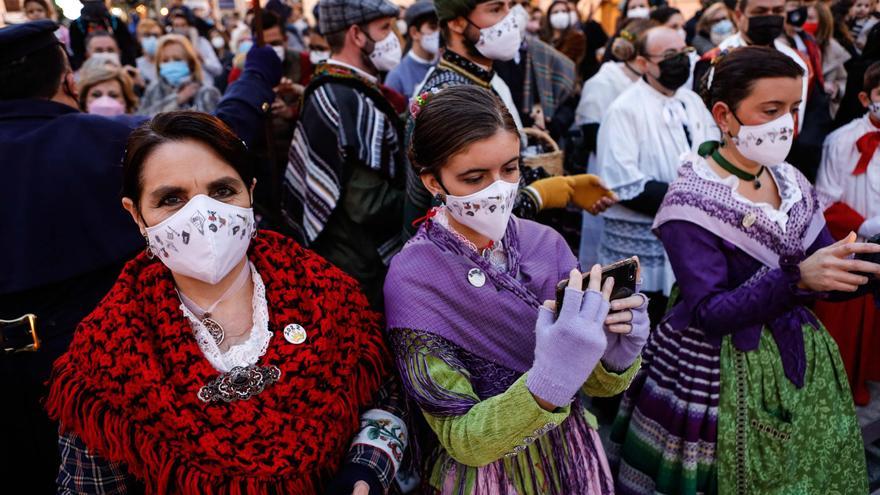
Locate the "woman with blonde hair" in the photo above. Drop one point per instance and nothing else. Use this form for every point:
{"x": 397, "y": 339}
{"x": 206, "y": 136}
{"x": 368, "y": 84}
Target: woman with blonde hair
{"x": 180, "y": 85}
{"x": 107, "y": 91}
{"x": 714, "y": 26}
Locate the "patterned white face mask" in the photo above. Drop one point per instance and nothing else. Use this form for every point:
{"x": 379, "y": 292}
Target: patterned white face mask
{"x": 386, "y": 54}
{"x": 874, "y": 108}
{"x": 501, "y": 41}
{"x": 767, "y": 144}
{"x": 486, "y": 211}
{"x": 204, "y": 240}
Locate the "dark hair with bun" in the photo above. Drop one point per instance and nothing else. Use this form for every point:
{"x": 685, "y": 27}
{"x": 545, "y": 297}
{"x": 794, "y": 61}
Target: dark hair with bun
{"x": 179, "y": 126}
{"x": 452, "y": 120}
{"x": 623, "y": 47}
{"x": 733, "y": 75}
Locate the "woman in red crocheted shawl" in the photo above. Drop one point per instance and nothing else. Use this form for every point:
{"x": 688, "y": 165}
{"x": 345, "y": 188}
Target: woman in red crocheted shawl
{"x": 225, "y": 360}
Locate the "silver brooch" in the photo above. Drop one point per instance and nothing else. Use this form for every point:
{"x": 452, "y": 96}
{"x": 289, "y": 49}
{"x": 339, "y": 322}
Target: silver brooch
{"x": 476, "y": 277}
{"x": 239, "y": 383}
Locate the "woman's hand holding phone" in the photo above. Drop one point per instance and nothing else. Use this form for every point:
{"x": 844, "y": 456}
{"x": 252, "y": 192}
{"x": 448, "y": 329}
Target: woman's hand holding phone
{"x": 627, "y": 327}
{"x": 568, "y": 347}
{"x": 833, "y": 269}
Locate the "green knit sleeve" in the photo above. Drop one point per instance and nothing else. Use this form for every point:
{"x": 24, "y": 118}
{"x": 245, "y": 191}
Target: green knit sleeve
{"x": 605, "y": 383}
{"x": 492, "y": 427}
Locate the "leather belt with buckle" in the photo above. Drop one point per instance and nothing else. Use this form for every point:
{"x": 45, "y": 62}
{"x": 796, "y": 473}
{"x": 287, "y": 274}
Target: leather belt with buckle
{"x": 19, "y": 335}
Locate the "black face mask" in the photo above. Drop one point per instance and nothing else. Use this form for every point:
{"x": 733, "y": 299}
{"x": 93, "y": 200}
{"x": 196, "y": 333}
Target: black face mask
{"x": 796, "y": 17}
{"x": 763, "y": 29}
{"x": 674, "y": 71}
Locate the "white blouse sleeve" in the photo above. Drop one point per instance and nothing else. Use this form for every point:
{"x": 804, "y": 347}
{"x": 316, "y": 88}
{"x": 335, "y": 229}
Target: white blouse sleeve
{"x": 617, "y": 154}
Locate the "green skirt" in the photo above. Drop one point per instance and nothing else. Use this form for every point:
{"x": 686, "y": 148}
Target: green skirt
{"x": 776, "y": 439}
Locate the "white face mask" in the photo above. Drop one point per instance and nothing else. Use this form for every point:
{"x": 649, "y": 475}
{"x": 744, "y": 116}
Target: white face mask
{"x": 204, "y": 240}
{"x": 317, "y": 57}
{"x": 401, "y": 26}
{"x": 560, "y": 20}
{"x": 107, "y": 58}
{"x": 682, "y": 33}
{"x": 501, "y": 41}
{"x": 639, "y": 13}
{"x": 767, "y": 144}
{"x": 874, "y": 108}
{"x": 431, "y": 42}
{"x": 386, "y": 53}
{"x": 522, "y": 18}
{"x": 218, "y": 42}
{"x": 279, "y": 50}
{"x": 486, "y": 211}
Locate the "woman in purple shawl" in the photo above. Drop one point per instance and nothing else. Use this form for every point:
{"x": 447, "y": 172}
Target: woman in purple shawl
{"x": 497, "y": 374}
{"x": 742, "y": 390}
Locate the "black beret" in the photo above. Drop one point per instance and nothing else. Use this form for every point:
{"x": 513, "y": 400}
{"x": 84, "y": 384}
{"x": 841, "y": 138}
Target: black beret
{"x": 418, "y": 10}
{"x": 19, "y": 40}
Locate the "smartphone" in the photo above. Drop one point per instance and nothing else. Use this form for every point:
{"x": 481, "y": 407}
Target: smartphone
{"x": 624, "y": 273}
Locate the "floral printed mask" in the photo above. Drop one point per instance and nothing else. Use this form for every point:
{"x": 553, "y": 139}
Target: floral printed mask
{"x": 486, "y": 211}
{"x": 768, "y": 143}
{"x": 204, "y": 240}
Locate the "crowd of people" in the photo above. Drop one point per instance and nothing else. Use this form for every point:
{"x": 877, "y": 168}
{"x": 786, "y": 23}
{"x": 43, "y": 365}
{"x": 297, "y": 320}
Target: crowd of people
{"x": 436, "y": 249}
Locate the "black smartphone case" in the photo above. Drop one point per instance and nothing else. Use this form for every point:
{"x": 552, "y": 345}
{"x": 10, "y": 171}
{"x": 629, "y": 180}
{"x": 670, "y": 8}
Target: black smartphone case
{"x": 623, "y": 272}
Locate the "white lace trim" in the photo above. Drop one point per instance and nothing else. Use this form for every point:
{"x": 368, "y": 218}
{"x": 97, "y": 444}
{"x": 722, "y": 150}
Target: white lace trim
{"x": 786, "y": 183}
{"x": 497, "y": 253}
{"x": 246, "y": 353}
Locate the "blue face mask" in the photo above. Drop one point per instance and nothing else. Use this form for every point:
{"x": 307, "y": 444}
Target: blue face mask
{"x": 245, "y": 46}
{"x": 723, "y": 27}
{"x": 149, "y": 44}
{"x": 174, "y": 72}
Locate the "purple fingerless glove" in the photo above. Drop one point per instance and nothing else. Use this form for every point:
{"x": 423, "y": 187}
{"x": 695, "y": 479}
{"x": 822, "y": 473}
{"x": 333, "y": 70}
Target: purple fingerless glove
{"x": 568, "y": 349}
{"x": 623, "y": 349}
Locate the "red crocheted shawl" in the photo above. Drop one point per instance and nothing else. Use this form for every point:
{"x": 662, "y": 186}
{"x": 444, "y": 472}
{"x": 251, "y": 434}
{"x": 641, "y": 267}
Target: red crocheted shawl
{"x": 127, "y": 385}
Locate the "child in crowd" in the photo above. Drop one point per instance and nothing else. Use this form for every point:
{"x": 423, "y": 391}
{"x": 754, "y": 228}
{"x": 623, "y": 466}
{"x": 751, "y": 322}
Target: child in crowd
{"x": 849, "y": 186}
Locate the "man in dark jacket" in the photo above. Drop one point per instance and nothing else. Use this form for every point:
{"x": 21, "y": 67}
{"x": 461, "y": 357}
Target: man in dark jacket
{"x": 93, "y": 18}
{"x": 65, "y": 234}
{"x": 343, "y": 188}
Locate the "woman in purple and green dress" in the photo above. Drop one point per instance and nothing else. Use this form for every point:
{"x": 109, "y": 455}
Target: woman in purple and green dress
{"x": 495, "y": 372}
{"x": 742, "y": 389}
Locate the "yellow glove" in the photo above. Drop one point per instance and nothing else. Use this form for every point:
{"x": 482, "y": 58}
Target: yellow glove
{"x": 587, "y": 190}
{"x": 552, "y": 192}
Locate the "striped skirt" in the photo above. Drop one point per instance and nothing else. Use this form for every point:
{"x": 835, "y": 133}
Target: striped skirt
{"x": 664, "y": 437}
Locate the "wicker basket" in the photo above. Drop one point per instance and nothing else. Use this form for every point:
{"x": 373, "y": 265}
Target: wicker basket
{"x": 551, "y": 161}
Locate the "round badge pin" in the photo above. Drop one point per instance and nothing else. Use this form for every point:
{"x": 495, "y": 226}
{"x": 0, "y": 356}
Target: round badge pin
{"x": 295, "y": 334}
{"x": 476, "y": 277}
{"x": 749, "y": 220}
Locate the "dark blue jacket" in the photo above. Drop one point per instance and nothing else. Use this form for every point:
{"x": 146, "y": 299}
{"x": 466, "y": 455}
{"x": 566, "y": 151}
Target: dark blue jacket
{"x": 60, "y": 178}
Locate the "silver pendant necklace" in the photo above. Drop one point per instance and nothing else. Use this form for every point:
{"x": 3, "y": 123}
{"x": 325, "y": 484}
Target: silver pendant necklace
{"x": 214, "y": 328}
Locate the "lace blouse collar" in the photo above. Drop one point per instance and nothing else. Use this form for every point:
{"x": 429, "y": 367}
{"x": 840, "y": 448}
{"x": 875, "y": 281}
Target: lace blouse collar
{"x": 496, "y": 254}
{"x": 246, "y": 353}
{"x": 783, "y": 175}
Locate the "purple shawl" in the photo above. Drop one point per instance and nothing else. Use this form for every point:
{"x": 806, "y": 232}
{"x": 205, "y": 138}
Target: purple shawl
{"x": 427, "y": 289}
{"x": 711, "y": 205}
